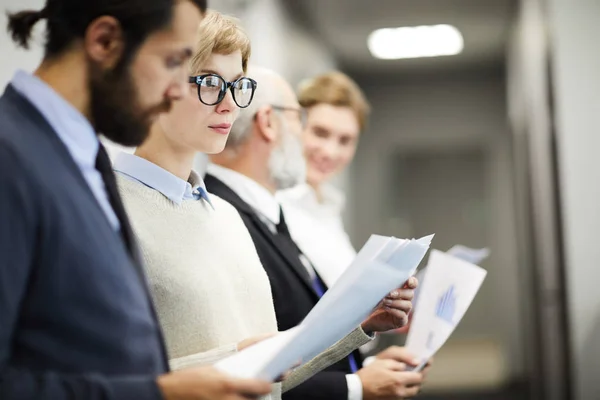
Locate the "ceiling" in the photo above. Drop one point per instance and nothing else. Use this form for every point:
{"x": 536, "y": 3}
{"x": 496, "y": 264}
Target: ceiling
{"x": 344, "y": 26}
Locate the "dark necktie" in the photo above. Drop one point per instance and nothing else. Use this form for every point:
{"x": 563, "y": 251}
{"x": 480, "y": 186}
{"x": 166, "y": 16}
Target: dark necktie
{"x": 284, "y": 236}
{"x": 282, "y": 227}
{"x": 317, "y": 284}
{"x": 104, "y": 166}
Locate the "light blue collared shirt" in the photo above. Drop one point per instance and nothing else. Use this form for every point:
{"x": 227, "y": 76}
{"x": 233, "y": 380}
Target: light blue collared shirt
{"x": 172, "y": 187}
{"x": 73, "y": 129}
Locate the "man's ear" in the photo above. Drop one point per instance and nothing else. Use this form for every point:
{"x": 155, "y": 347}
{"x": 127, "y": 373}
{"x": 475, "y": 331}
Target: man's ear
{"x": 104, "y": 42}
{"x": 264, "y": 121}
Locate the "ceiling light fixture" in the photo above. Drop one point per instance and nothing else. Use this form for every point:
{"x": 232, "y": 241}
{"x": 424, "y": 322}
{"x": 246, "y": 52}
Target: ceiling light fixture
{"x": 415, "y": 42}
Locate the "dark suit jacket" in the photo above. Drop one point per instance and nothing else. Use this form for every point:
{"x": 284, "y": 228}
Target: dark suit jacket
{"x": 293, "y": 294}
{"x": 76, "y": 321}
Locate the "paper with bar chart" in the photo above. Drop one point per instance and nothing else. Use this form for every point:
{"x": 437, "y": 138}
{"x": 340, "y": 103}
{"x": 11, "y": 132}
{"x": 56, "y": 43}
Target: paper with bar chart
{"x": 382, "y": 265}
{"x": 473, "y": 256}
{"x": 450, "y": 285}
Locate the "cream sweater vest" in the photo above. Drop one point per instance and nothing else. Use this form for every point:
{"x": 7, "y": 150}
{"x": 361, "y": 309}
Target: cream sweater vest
{"x": 208, "y": 285}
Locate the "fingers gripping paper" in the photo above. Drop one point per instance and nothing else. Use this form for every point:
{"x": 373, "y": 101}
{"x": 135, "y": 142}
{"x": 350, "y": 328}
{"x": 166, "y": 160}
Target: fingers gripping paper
{"x": 382, "y": 265}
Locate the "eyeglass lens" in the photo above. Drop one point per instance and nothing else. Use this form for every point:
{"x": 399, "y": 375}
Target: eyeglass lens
{"x": 212, "y": 90}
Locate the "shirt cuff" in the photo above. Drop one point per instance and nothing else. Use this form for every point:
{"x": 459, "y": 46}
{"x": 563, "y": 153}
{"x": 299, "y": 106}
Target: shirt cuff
{"x": 368, "y": 360}
{"x": 369, "y": 335}
{"x": 355, "y": 388}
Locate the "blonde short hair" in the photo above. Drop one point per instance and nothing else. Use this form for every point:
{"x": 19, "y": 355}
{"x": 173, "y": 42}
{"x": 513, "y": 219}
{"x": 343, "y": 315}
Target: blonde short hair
{"x": 337, "y": 89}
{"x": 219, "y": 34}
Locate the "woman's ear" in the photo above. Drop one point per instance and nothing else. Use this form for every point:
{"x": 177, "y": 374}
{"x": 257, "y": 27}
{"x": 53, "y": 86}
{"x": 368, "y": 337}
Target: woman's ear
{"x": 265, "y": 124}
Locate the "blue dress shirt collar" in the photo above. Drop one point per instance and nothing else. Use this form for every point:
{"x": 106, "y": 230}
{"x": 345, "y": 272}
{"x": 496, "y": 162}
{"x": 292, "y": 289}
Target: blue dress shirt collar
{"x": 174, "y": 188}
{"x": 74, "y": 130}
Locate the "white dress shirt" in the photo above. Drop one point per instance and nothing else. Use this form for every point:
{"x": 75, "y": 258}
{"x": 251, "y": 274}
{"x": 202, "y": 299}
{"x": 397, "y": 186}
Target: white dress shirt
{"x": 267, "y": 207}
{"x": 257, "y": 196}
{"x": 317, "y": 228}
{"x": 73, "y": 130}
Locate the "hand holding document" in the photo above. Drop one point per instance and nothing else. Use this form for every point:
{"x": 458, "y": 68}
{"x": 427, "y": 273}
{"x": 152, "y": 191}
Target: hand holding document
{"x": 450, "y": 285}
{"x": 382, "y": 265}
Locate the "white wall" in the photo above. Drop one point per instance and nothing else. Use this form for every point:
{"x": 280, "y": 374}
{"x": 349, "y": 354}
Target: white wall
{"x": 278, "y": 42}
{"x": 454, "y": 112}
{"x": 11, "y": 57}
{"x": 576, "y": 72}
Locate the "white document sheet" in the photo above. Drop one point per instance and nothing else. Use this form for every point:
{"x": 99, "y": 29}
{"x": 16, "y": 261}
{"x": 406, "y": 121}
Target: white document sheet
{"x": 384, "y": 249}
{"x": 473, "y": 256}
{"x": 349, "y": 302}
{"x": 450, "y": 285}
{"x": 470, "y": 255}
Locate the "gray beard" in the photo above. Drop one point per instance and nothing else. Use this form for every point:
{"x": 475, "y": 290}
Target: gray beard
{"x": 287, "y": 165}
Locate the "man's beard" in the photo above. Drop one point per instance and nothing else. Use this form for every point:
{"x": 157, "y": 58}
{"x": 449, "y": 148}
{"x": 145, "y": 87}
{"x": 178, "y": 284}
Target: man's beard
{"x": 287, "y": 165}
{"x": 115, "y": 107}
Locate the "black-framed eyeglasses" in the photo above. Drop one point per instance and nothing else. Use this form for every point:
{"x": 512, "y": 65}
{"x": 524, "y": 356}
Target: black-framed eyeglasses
{"x": 212, "y": 89}
{"x": 299, "y": 110}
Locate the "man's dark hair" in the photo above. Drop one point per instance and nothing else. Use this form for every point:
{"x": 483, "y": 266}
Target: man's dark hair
{"x": 67, "y": 21}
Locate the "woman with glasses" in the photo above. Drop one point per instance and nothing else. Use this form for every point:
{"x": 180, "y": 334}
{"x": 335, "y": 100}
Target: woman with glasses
{"x": 211, "y": 292}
